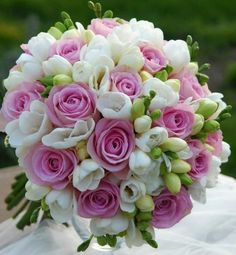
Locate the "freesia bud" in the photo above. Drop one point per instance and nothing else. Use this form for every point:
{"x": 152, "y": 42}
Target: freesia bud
{"x": 142, "y": 124}
{"x": 61, "y": 79}
{"x": 145, "y": 75}
{"x": 155, "y": 115}
{"x": 193, "y": 67}
{"x": 174, "y": 84}
{"x": 174, "y": 144}
{"x": 207, "y": 107}
{"x": 55, "y": 32}
{"x": 172, "y": 182}
{"x": 185, "y": 179}
{"x": 138, "y": 108}
{"x": 35, "y": 192}
{"x": 88, "y": 36}
{"x": 198, "y": 124}
{"x": 209, "y": 147}
{"x": 180, "y": 166}
{"x": 145, "y": 203}
{"x": 81, "y": 150}
{"x": 155, "y": 153}
{"x": 211, "y": 126}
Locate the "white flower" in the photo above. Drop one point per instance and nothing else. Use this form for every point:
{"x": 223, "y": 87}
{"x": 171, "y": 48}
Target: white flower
{"x": 87, "y": 175}
{"x": 40, "y": 46}
{"x": 133, "y": 236}
{"x": 71, "y": 34}
{"x": 177, "y": 53}
{"x": 142, "y": 124}
{"x": 213, "y": 172}
{"x": 31, "y": 126}
{"x": 30, "y": 66}
{"x": 152, "y": 138}
{"x": 114, "y": 105}
{"x": 14, "y": 79}
{"x": 60, "y": 203}
{"x": 62, "y": 138}
{"x": 185, "y": 153}
{"x": 225, "y": 152}
{"x": 165, "y": 94}
{"x": 110, "y": 226}
{"x": 198, "y": 192}
{"x": 81, "y": 71}
{"x": 139, "y": 162}
{"x": 217, "y": 97}
{"x": 35, "y": 192}
{"x": 57, "y": 65}
{"x": 130, "y": 191}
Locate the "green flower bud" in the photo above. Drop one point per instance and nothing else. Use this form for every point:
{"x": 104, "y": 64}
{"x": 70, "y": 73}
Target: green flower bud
{"x": 207, "y": 107}
{"x": 174, "y": 83}
{"x": 108, "y": 14}
{"x": 180, "y": 166}
{"x": 155, "y": 153}
{"x": 62, "y": 79}
{"x": 130, "y": 215}
{"x": 55, "y": 32}
{"x": 202, "y": 78}
{"x": 88, "y": 35}
{"x": 144, "y": 216}
{"x": 211, "y": 126}
{"x": 172, "y": 182}
{"x": 155, "y": 115}
{"x": 60, "y": 26}
{"x": 142, "y": 124}
{"x": 174, "y": 144}
{"x": 138, "y": 108}
{"x": 198, "y": 124}
{"x": 145, "y": 75}
{"x": 143, "y": 225}
{"x": 145, "y": 203}
{"x": 185, "y": 179}
{"x": 162, "y": 75}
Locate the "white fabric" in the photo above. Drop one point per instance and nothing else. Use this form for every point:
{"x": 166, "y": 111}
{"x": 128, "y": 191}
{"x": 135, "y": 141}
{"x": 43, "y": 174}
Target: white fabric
{"x": 209, "y": 230}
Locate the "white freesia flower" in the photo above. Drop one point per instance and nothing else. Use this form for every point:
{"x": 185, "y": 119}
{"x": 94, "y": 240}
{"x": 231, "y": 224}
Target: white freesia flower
{"x": 57, "y": 65}
{"x": 87, "y": 175}
{"x": 31, "y": 126}
{"x": 71, "y": 34}
{"x": 139, "y": 162}
{"x": 35, "y": 192}
{"x": 40, "y": 45}
{"x": 152, "y": 138}
{"x": 133, "y": 236}
{"x": 81, "y": 71}
{"x": 147, "y": 33}
{"x": 114, "y": 105}
{"x": 130, "y": 191}
{"x": 177, "y": 53}
{"x": 60, "y": 203}
{"x": 217, "y": 97}
{"x": 30, "y": 66}
{"x": 165, "y": 94}
{"x": 14, "y": 79}
{"x": 110, "y": 226}
{"x": 225, "y": 152}
{"x": 63, "y": 138}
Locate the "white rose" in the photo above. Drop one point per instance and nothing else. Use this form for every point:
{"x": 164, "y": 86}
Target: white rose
{"x": 63, "y": 138}
{"x": 165, "y": 94}
{"x": 225, "y": 152}
{"x": 14, "y": 79}
{"x": 35, "y": 192}
{"x": 139, "y": 162}
{"x": 152, "y": 138}
{"x": 87, "y": 175}
{"x": 177, "y": 53}
{"x": 60, "y": 203}
{"x": 114, "y": 105}
{"x": 40, "y": 46}
{"x": 81, "y": 71}
{"x": 31, "y": 126}
{"x": 130, "y": 191}
{"x": 110, "y": 226}
{"x": 57, "y": 65}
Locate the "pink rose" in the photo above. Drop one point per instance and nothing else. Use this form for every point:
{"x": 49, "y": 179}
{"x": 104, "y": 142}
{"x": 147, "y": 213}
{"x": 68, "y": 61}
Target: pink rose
{"x": 170, "y": 209}
{"x": 127, "y": 81}
{"x": 178, "y": 120}
{"x": 189, "y": 85}
{"x": 112, "y": 143}
{"x": 200, "y": 161}
{"x": 215, "y": 140}
{"x": 154, "y": 59}
{"x": 17, "y": 101}
{"x": 50, "y": 167}
{"x": 68, "y": 49}
{"x": 70, "y": 103}
{"x": 103, "y": 26}
{"x": 102, "y": 202}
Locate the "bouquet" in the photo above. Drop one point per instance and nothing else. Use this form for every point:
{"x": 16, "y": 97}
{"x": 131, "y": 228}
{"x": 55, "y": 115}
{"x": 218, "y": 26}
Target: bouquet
{"x": 113, "y": 123}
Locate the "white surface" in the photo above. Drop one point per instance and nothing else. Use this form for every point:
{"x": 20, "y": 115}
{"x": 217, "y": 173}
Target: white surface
{"x": 209, "y": 230}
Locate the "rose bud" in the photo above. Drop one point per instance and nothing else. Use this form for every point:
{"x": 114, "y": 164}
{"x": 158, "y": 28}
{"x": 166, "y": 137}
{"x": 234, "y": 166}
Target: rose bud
{"x": 180, "y": 166}
{"x": 172, "y": 182}
{"x": 207, "y": 107}
{"x": 142, "y": 124}
{"x": 174, "y": 144}
{"x": 145, "y": 203}
{"x": 198, "y": 124}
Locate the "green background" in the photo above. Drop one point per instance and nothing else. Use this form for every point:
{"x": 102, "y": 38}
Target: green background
{"x": 211, "y": 23}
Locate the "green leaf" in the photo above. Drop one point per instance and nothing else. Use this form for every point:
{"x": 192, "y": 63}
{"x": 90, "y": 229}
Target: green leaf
{"x": 102, "y": 240}
{"x": 35, "y": 215}
{"x": 84, "y": 246}
{"x": 162, "y": 75}
{"x": 146, "y": 235}
{"x": 111, "y": 240}
{"x": 152, "y": 243}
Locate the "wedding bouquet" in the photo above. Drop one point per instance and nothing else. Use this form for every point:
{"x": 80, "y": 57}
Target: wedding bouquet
{"x": 113, "y": 123}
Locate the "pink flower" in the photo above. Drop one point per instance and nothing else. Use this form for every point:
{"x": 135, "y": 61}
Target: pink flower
{"x": 178, "y": 120}
{"x": 112, "y": 143}
{"x": 102, "y": 202}
{"x": 189, "y": 85}
{"x": 50, "y": 167}
{"x": 155, "y": 60}
{"x": 68, "y": 49}
{"x": 17, "y": 101}
{"x": 103, "y": 26}
{"x": 215, "y": 140}
{"x": 200, "y": 161}
{"x": 127, "y": 81}
{"x": 170, "y": 209}
{"x": 70, "y": 103}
